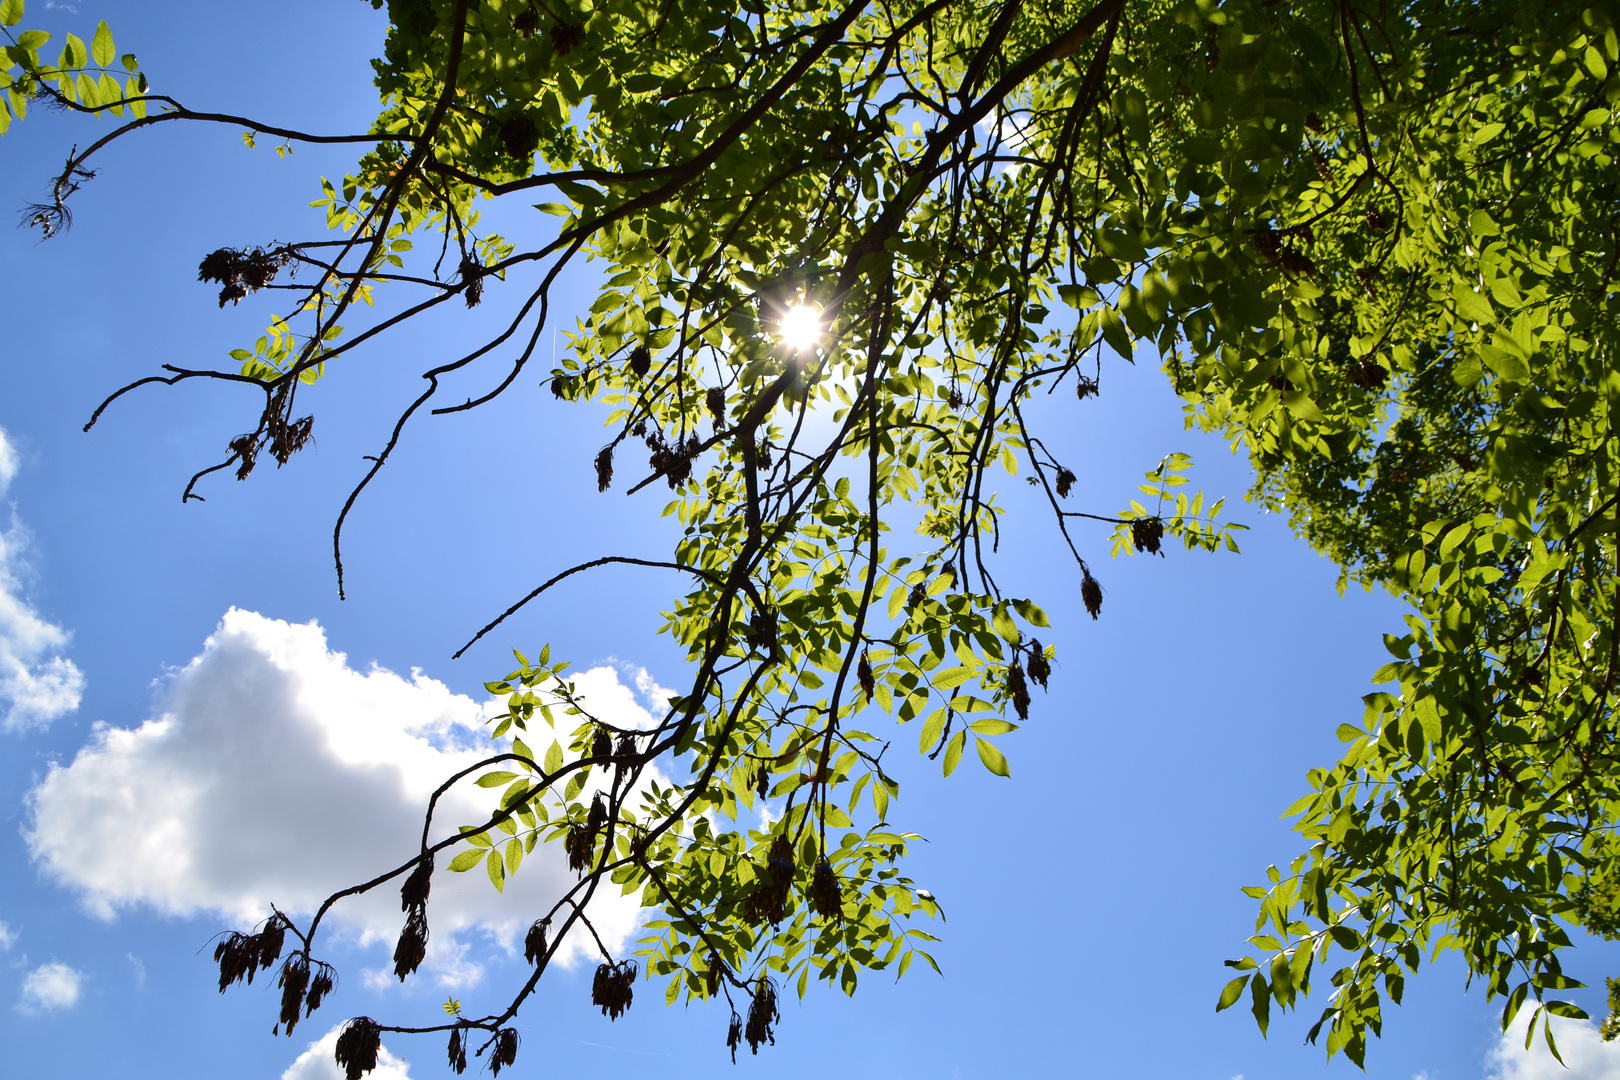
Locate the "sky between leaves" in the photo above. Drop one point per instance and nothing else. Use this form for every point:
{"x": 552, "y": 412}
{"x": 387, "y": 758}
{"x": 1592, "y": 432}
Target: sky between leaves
{"x": 195, "y": 726}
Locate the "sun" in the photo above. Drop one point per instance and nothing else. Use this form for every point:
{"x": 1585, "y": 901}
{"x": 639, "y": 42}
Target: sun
{"x": 801, "y": 327}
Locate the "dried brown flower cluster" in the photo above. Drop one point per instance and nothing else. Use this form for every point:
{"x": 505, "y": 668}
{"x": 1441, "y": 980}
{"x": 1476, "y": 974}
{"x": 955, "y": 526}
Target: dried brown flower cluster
{"x": 472, "y": 280}
{"x": 614, "y": 987}
{"x": 1146, "y": 533}
{"x": 1273, "y": 245}
{"x": 672, "y": 461}
{"x": 1091, "y": 594}
{"x": 458, "y": 1052}
{"x": 240, "y": 956}
{"x": 505, "y": 1043}
{"x": 1017, "y": 689}
{"x": 1040, "y": 669}
{"x": 601, "y": 745}
{"x": 534, "y": 942}
{"x": 863, "y": 672}
{"x": 302, "y": 987}
{"x": 640, "y": 361}
{"x": 762, "y": 1014}
{"x": 565, "y": 35}
{"x": 357, "y": 1046}
{"x": 768, "y": 901}
{"x": 825, "y": 894}
{"x": 714, "y": 399}
{"x": 1065, "y": 483}
{"x": 519, "y": 137}
{"x": 413, "y": 897}
{"x": 1369, "y": 374}
{"x": 240, "y": 271}
{"x": 1085, "y": 387}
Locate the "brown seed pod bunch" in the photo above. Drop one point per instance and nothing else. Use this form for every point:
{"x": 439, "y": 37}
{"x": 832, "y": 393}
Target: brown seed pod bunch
{"x": 411, "y": 948}
{"x": 625, "y": 747}
{"x": 293, "y": 982}
{"x": 917, "y": 595}
{"x": 414, "y": 893}
{"x": 458, "y": 1052}
{"x": 614, "y": 987}
{"x": 1091, "y": 594}
{"x": 825, "y": 894}
{"x": 768, "y": 902}
{"x": 534, "y": 942}
{"x": 1065, "y": 483}
{"x": 1324, "y": 167}
{"x": 641, "y": 361}
{"x": 1040, "y": 669}
{"x": 601, "y": 744}
{"x": 526, "y": 22}
{"x": 321, "y": 983}
{"x": 246, "y": 448}
{"x": 564, "y": 36}
{"x": 1314, "y": 122}
{"x": 762, "y": 630}
{"x": 562, "y": 385}
{"x": 604, "y": 468}
{"x": 1369, "y": 374}
{"x": 711, "y": 979}
{"x": 714, "y": 399}
{"x": 1377, "y": 220}
{"x": 472, "y": 280}
{"x": 1085, "y": 387}
{"x": 577, "y": 845}
{"x": 239, "y": 271}
{"x": 357, "y": 1045}
{"x": 734, "y": 1035}
{"x": 597, "y": 818}
{"x": 863, "y": 672}
{"x": 1146, "y": 534}
{"x": 762, "y": 781}
{"x": 286, "y": 439}
{"x": 1017, "y": 689}
{"x": 506, "y": 1047}
{"x": 519, "y": 137}
{"x": 762, "y": 1014}
{"x": 240, "y": 956}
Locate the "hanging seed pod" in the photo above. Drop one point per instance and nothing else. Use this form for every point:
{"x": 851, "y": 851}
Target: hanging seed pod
{"x": 1377, "y": 220}
{"x": 1040, "y": 669}
{"x": 1091, "y": 593}
{"x": 414, "y": 893}
{"x": 1313, "y": 122}
{"x": 357, "y": 1045}
{"x": 561, "y": 385}
{"x": 711, "y": 983}
{"x": 625, "y": 748}
{"x": 640, "y": 361}
{"x": 762, "y": 454}
{"x": 293, "y": 982}
{"x": 519, "y": 137}
{"x": 863, "y": 672}
{"x": 715, "y": 400}
{"x": 564, "y": 36}
{"x": 762, "y": 781}
{"x": 917, "y": 595}
{"x": 458, "y": 1052}
{"x": 1324, "y": 167}
{"x": 780, "y": 860}
{"x": 1017, "y": 690}
{"x": 604, "y": 468}
{"x": 524, "y": 23}
{"x": 734, "y": 1035}
{"x": 614, "y": 987}
{"x": 534, "y": 942}
{"x": 1065, "y": 483}
{"x": 321, "y": 983}
{"x": 597, "y": 818}
{"x": 577, "y": 846}
{"x": 271, "y": 939}
{"x": 472, "y": 281}
{"x": 825, "y": 895}
{"x": 506, "y": 1047}
{"x": 238, "y": 958}
{"x": 1146, "y": 534}
{"x": 953, "y": 398}
{"x": 411, "y": 949}
{"x": 1085, "y": 387}
{"x": 601, "y": 744}
{"x": 761, "y": 1015}
{"x": 762, "y": 630}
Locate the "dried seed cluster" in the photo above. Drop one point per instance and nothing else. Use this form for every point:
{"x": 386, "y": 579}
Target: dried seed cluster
{"x": 825, "y": 894}
{"x": 673, "y": 460}
{"x": 472, "y": 280}
{"x": 300, "y": 986}
{"x": 519, "y": 137}
{"x": 240, "y": 271}
{"x": 357, "y": 1045}
{"x": 761, "y": 1015}
{"x": 413, "y": 897}
{"x": 534, "y": 942}
{"x": 1040, "y": 669}
{"x": 458, "y": 1052}
{"x": 240, "y": 956}
{"x": 613, "y": 987}
{"x": 640, "y": 361}
{"x": 1065, "y": 483}
{"x": 863, "y": 672}
{"x": 1017, "y": 689}
{"x": 768, "y": 901}
{"x": 505, "y": 1043}
{"x": 1146, "y": 533}
{"x": 714, "y": 399}
{"x": 1091, "y": 594}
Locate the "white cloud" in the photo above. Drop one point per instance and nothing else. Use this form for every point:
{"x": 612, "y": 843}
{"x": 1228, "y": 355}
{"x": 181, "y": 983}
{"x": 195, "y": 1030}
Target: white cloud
{"x": 278, "y": 774}
{"x": 36, "y": 686}
{"x": 1587, "y": 1056}
{"x": 50, "y": 986}
{"x": 317, "y": 1063}
{"x": 8, "y": 936}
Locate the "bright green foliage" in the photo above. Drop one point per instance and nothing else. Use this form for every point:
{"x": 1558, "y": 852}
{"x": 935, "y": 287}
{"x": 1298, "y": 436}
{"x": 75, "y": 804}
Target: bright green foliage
{"x": 1376, "y": 248}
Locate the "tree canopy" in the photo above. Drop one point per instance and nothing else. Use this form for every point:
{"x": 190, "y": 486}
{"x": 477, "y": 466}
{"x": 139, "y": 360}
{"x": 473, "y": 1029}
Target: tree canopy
{"x": 852, "y": 259}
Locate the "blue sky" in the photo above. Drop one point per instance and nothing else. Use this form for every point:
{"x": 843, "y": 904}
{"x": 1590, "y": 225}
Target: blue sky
{"x": 1091, "y": 899}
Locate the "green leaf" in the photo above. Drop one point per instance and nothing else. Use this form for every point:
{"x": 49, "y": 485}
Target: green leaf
{"x": 1030, "y": 613}
{"x": 495, "y": 779}
{"x": 990, "y": 726}
{"x": 993, "y": 759}
{"x": 101, "y": 45}
{"x": 11, "y": 12}
{"x": 1471, "y": 305}
{"x": 1231, "y": 992}
{"x": 466, "y": 860}
{"x": 496, "y": 869}
{"x": 953, "y": 752}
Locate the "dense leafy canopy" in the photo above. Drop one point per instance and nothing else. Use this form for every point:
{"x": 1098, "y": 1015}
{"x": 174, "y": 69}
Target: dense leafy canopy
{"x": 1374, "y": 245}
